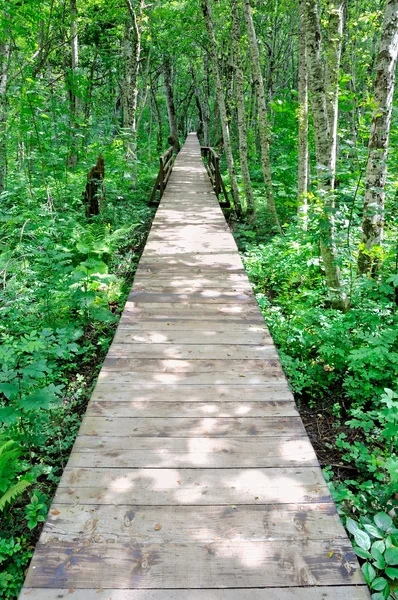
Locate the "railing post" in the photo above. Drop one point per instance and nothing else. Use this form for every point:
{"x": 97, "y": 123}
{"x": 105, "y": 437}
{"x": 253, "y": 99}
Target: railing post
{"x": 217, "y": 175}
{"x": 161, "y": 176}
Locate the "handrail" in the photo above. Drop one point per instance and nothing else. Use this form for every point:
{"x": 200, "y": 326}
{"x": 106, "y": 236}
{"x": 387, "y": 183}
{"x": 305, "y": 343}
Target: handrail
{"x": 166, "y": 162}
{"x": 213, "y": 170}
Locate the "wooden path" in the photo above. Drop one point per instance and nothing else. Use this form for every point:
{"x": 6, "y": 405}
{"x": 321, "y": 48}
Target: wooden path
{"x": 192, "y": 477}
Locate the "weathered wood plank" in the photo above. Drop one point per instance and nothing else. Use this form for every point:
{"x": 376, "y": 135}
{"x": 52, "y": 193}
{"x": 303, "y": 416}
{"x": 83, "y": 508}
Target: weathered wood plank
{"x": 355, "y": 592}
{"x": 196, "y": 377}
{"x": 269, "y": 366}
{"x": 259, "y": 337}
{"x": 193, "y": 351}
{"x": 192, "y": 486}
{"x": 290, "y": 522}
{"x": 198, "y": 297}
{"x": 133, "y": 564}
{"x": 190, "y": 427}
{"x": 130, "y": 452}
{"x": 210, "y": 394}
{"x": 112, "y": 408}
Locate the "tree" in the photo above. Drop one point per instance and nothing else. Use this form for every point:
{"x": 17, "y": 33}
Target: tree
{"x": 376, "y": 171}
{"x": 323, "y": 85}
{"x": 171, "y": 111}
{"x": 262, "y": 113}
{"x": 207, "y": 14}
{"x": 303, "y": 152}
{"x": 240, "y": 102}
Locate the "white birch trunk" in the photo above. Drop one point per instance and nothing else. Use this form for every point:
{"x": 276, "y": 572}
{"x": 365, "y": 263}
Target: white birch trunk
{"x": 325, "y": 143}
{"x": 376, "y": 172}
{"x": 208, "y": 17}
{"x": 74, "y": 47}
{"x": 262, "y": 113}
{"x": 132, "y": 51}
{"x": 5, "y": 51}
{"x": 303, "y": 153}
{"x": 240, "y": 101}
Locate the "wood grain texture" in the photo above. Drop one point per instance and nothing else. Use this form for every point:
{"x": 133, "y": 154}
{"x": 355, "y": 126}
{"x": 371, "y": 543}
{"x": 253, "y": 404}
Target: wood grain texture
{"x": 357, "y": 592}
{"x": 192, "y": 477}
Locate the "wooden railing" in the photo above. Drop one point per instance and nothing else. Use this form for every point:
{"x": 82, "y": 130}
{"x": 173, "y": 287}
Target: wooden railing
{"x": 212, "y": 164}
{"x": 166, "y": 162}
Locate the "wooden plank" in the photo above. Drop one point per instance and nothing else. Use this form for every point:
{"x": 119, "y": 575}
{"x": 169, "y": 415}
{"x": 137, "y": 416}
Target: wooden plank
{"x": 211, "y": 394}
{"x": 122, "y": 564}
{"x": 147, "y": 452}
{"x": 186, "y": 427}
{"x": 270, "y": 366}
{"x": 256, "y": 336}
{"x": 172, "y": 409}
{"x": 228, "y": 326}
{"x": 159, "y": 487}
{"x": 170, "y": 296}
{"x": 193, "y": 351}
{"x": 218, "y": 377}
{"x": 194, "y": 308}
{"x": 355, "y": 592}
{"x": 290, "y": 522}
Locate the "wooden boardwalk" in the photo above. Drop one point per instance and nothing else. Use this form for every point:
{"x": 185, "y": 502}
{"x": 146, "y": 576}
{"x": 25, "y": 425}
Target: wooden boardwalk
{"x": 192, "y": 477}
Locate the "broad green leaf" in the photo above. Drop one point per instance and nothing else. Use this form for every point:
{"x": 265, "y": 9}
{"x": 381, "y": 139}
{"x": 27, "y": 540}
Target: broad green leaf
{"x": 362, "y": 539}
{"x": 369, "y": 572}
{"x": 379, "y": 561}
{"x": 373, "y": 531}
{"x": 361, "y": 553}
{"x": 391, "y": 556}
{"x": 383, "y": 521}
{"x": 379, "y": 584}
{"x": 392, "y": 572}
{"x": 351, "y": 525}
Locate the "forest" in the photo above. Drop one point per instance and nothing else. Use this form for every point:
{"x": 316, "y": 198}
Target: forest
{"x": 298, "y": 99}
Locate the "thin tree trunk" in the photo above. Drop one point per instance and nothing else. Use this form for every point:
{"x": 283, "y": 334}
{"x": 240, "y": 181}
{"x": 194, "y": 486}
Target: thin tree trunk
{"x": 171, "y": 111}
{"x": 5, "y": 51}
{"x": 73, "y": 153}
{"x": 376, "y": 172}
{"x": 208, "y": 17}
{"x": 262, "y": 113}
{"x": 240, "y": 101}
{"x": 132, "y": 50}
{"x": 303, "y": 155}
{"x": 205, "y": 102}
{"x": 159, "y": 136}
{"x": 325, "y": 142}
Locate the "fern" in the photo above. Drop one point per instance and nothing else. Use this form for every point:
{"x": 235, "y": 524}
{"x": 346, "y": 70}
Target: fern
{"x": 13, "y": 493}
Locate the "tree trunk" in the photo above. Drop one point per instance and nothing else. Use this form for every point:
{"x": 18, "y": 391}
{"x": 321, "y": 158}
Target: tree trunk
{"x": 303, "y": 155}
{"x": 94, "y": 189}
{"x": 262, "y": 113}
{"x": 208, "y": 17}
{"x": 240, "y": 100}
{"x": 205, "y": 103}
{"x": 159, "y": 136}
{"x": 5, "y": 51}
{"x": 325, "y": 134}
{"x": 132, "y": 52}
{"x": 73, "y": 153}
{"x": 171, "y": 111}
{"x": 376, "y": 171}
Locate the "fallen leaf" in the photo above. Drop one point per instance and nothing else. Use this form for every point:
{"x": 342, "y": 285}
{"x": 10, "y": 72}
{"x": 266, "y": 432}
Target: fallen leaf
{"x": 179, "y": 482}
{"x": 233, "y": 506}
{"x": 241, "y": 375}
{"x": 330, "y": 554}
{"x": 158, "y": 527}
{"x": 256, "y": 497}
{"x": 55, "y": 512}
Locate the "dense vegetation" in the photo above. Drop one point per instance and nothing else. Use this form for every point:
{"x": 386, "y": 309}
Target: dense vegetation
{"x": 304, "y": 123}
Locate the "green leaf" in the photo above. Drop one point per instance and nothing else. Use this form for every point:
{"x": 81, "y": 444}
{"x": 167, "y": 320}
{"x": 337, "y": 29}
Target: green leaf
{"x": 369, "y": 572}
{"x": 391, "y": 556}
{"x": 374, "y": 532}
{"x": 379, "y": 545}
{"x": 383, "y": 521}
{"x": 362, "y": 539}
{"x": 379, "y": 561}
{"x": 378, "y": 596}
{"x": 392, "y": 572}
{"x": 351, "y": 525}
{"x": 379, "y": 584}
{"x": 361, "y": 553}
{"x": 9, "y": 390}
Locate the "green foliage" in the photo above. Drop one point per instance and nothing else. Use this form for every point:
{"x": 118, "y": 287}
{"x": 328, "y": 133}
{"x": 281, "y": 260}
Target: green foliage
{"x": 14, "y": 558}
{"x": 36, "y": 510}
{"x": 376, "y": 542}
